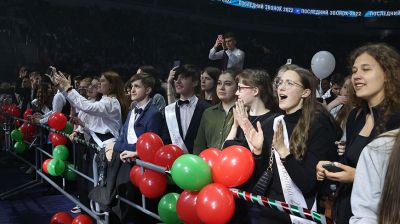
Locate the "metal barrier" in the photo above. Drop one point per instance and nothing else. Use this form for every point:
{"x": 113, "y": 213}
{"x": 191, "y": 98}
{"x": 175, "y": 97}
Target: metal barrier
{"x": 40, "y": 177}
{"x": 94, "y": 211}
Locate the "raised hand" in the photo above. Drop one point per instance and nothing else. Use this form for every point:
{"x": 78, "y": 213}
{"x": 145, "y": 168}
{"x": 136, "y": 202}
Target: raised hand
{"x": 22, "y": 72}
{"x": 61, "y": 81}
{"x": 278, "y": 141}
{"x": 254, "y": 137}
{"x": 241, "y": 113}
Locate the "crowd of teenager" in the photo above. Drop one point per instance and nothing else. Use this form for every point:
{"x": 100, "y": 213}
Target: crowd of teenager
{"x": 295, "y": 127}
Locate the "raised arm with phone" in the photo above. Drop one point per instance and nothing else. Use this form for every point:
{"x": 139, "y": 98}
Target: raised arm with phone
{"x": 231, "y": 56}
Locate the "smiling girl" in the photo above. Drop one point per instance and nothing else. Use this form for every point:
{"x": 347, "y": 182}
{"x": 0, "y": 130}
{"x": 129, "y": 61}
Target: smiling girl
{"x": 375, "y": 89}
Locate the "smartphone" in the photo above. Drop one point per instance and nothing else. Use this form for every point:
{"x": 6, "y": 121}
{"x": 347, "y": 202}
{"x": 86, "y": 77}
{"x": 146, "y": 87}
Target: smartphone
{"x": 220, "y": 37}
{"x": 289, "y": 61}
{"x": 50, "y": 71}
{"x": 332, "y": 168}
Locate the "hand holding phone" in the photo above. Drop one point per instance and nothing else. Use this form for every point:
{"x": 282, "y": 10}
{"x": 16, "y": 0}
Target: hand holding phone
{"x": 332, "y": 168}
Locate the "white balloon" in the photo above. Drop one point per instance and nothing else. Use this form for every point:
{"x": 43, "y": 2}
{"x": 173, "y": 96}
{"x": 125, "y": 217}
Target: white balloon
{"x": 322, "y": 64}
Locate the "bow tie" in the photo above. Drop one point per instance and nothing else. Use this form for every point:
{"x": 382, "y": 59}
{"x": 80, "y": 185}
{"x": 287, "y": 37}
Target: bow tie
{"x": 138, "y": 110}
{"x": 182, "y": 102}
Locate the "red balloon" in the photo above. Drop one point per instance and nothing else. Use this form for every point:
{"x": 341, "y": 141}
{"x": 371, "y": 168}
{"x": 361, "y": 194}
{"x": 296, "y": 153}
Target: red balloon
{"x": 211, "y": 156}
{"x": 58, "y": 139}
{"x": 44, "y": 165}
{"x": 61, "y": 218}
{"x": 167, "y": 155}
{"x": 234, "y": 167}
{"x": 14, "y": 111}
{"x": 215, "y": 204}
{"x": 28, "y": 131}
{"x": 153, "y": 184}
{"x": 50, "y": 134}
{"x": 27, "y": 113}
{"x": 136, "y": 175}
{"x": 5, "y": 107}
{"x": 186, "y": 207}
{"x": 147, "y": 146}
{"x": 82, "y": 219}
{"x": 18, "y": 123}
{"x": 57, "y": 121}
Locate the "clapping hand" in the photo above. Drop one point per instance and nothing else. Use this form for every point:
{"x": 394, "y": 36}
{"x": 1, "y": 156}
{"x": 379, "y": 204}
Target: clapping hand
{"x": 254, "y": 137}
{"x": 240, "y": 112}
{"x": 278, "y": 141}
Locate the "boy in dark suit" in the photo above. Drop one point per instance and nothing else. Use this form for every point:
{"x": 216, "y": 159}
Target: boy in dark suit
{"x": 144, "y": 117}
{"x": 183, "y": 116}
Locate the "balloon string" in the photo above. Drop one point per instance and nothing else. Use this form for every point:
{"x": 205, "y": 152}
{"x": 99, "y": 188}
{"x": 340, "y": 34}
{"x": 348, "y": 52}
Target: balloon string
{"x": 282, "y": 206}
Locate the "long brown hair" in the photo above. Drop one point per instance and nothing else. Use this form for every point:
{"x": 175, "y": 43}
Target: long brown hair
{"x": 44, "y": 98}
{"x": 214, "y": 74}
{"x": 117, "y": 90}
{"x": 341, "y": 117}
{"x": 389, "y": 60}
{"x": 261, "y": 80}
{"x": 389, "y": 211}
{"x": 299, "y": 137}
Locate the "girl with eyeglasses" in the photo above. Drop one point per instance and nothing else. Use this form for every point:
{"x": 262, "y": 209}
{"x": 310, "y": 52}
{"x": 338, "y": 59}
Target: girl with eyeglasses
{"x": 295, "y": 142}
{"x": 375, "y": 93}
{"x": 254, "y": 99}
{"x": 257, "y": 104}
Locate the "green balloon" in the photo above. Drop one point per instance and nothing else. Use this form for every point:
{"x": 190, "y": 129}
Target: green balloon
{"x": 69, "y": 174}
{"x": 190, "y": 172}
{"x": 68, "y": 128}
{"x": 167, "y": 208}
{"x": 56, "y": 167}
{"x": 16, "y": 135}
{"x": 20, "y": 147}
{"x": 60, "y": 152}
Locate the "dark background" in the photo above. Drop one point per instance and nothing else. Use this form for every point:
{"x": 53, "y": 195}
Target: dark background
{"x": 86, "y": 37}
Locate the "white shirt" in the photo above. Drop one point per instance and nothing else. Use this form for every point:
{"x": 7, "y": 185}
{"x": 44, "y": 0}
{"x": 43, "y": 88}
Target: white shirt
{"x": 186, "y": 112}
{"x": 59, "y": 102}
{"x": 104, "y": 115}
{"x": 236, "y": 57}
{"x": 57, "y": 106}
{"x": 131, "y": 137}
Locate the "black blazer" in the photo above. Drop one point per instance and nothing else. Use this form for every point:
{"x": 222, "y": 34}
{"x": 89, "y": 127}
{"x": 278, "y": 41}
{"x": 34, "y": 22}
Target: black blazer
{"x": 194, "y": 123}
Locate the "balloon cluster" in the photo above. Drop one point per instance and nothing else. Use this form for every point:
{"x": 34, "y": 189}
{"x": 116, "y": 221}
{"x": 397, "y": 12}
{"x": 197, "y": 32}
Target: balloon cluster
{"x": 58, "y": 165}
{"x": 150, "y": 148}
{"x": 203, "y": 201}
{"x": 59, "y": 122}
{"x": 25, "y": 132}
{"x": 66, "y": 218}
